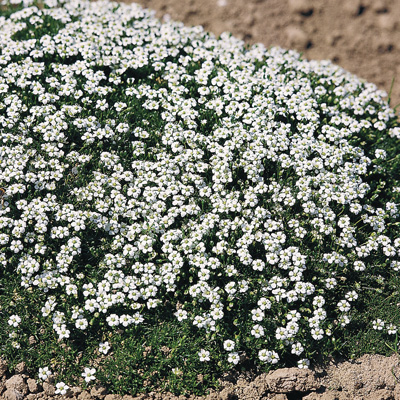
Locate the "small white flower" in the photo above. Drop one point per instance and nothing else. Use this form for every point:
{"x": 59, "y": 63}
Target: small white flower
{"x": 297, "y": 348}
{"x": 44, "y": 373}
{"x": 359, "y": 266}
{"x": 204, "y": 355}
{"x": 264, "y": 304}
{"x": 181, "y": 315}
{"x": 281, "y": 333}
{"x": 81, "y": 323}
{"x": 89, "y": 374}
{"x": 104, "y": 347}
{"x": 391, "y": 329}
{"x": 61, "y": 388}
{"x": 257, "y": 314}
{"x": 344, "y": 320}
{"x": 263, "y": 355}
{"x": 378, "y": 324}
{"x": 14, "y": 320}
{"x": 317, "y": 333}
{"x": 125, "y": 320}
{"x": 343, "y": 305}
{"x": 257, "y": 331}
{"x": 380, "y": 153}
{"x": 304, "y": 363}
{"x": 229, "y": 345}
{"x": 233, "y": 358}
{"x": 274, "y": 357}
{"x": 113, "y": 320}
{"x": 380, "y": 125}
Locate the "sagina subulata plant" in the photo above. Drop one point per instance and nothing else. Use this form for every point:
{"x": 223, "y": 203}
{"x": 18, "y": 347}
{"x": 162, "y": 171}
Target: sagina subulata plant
{"x": 175, "y": 205}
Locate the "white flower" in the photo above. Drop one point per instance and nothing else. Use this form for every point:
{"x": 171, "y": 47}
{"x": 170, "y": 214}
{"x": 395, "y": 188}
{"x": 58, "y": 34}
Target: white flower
{"x": 63, "y": 332}
{"x": 318, "y": 301}
{"x": 274, "y": 357}
{"x": 217, "y": 313}
{"x": 233, "y": 358}
{"x": 359, "y": 266}
{"x": 391, "y": 329}
{"x": 281, "y": 333}
{"x": 81, "y": 323}
{"x": 177, "y": 371}
{"x": 229, "y": 345}
{"x": 380, "y": 125}
{"x": 257, "y": 314}
{"x": 113, "y": 320}
{"x": 204, "y": 355}
{"x": 61, "y": 388}
{"x": 264, "y": 355}
{"x": 297, "y": 348}
{"x": 181, "y": 315}
{"x": 304, "y": 363}
{"x": 352, "y": 295}
{"x": 14, "y": 320}
{"x": 125, "y": 320}
{"x": 264, "y": 303}
{"x": 257, "y": 331}
{"x": 378, "y": 324}
{"x": 44, "y": 373}
{"x": 343, "y": 305}
{"x": 344, "y": 320}
{"x": 104, "y": 347}
{"x": 89, "y": 374}
{"x": 317, "y": 333}
{"x": 379, "y": 153}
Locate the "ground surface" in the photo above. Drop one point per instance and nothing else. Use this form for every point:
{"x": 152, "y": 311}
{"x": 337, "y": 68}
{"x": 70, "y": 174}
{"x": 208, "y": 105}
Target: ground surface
{"x": 363, "y": 36}
{"x": 371, "y": 377}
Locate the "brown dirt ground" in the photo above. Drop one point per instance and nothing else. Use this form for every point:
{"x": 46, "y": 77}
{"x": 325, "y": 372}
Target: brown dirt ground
{"x": 371, "y": 377}
{"x": 362, "y": 36}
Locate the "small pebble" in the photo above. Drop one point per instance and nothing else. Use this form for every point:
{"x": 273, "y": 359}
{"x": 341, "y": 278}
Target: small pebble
{"x": 20, "y": 368}
{"x": 49, "y": 390}
{"x": 33, "y": 386}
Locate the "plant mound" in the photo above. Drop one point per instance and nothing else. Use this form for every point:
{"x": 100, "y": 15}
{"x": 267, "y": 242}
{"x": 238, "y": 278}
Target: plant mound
{"x": 175, "y": 199}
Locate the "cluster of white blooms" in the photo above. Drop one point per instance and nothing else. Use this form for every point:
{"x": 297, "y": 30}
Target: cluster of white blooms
{"x": 145, "y": 160}
{"x": 379, "y": 324}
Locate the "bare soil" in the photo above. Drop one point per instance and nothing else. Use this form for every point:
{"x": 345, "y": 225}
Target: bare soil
{"x": 362, "y": 36}
{"x": 371, "y": 377}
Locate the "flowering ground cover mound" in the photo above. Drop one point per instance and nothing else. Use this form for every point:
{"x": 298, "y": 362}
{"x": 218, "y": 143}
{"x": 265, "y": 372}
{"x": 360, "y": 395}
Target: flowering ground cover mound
{"x": 175, "y": 205}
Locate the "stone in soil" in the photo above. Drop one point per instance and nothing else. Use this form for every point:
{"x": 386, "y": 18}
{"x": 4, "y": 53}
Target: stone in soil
{"x": 18, "y": 384}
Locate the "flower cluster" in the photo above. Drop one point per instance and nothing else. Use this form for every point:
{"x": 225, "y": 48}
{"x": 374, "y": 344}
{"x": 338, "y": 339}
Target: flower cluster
{"x": 146, "y": 161}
